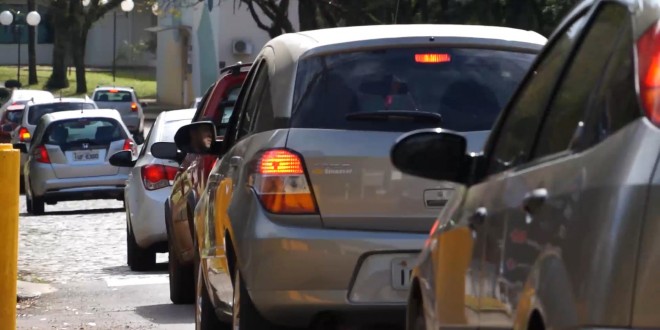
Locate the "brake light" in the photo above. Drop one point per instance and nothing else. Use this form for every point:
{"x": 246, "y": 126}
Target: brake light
{"x": 157, "y": 176}
{"x": 113, "y": 91}
{"x": 281, "y": 184}
{"x": 134, "y": 106}
{"x": 129, "y": 145}
{"x": 41, "y": 155}
{"x": 432, "y": 58}
{"x": 648, "y": 53}
{"x": 24, "y": 134}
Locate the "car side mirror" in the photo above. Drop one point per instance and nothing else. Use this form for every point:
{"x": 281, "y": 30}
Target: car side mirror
{"x": 21, "y": 146}
{"x": 198, "y": 138}
{"x": 167, "y": 150}
{"x": 122, "y": 158}
{"x": 434, "y": 154}
{"x": 7, "y": 128}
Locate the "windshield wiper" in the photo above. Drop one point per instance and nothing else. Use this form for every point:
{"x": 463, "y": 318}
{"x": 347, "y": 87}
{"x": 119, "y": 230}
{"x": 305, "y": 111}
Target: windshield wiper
{"x": 406, "y": 115}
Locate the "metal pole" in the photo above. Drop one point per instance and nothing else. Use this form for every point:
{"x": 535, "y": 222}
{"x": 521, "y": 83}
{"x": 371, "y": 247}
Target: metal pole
{"x": 114, "y": 45}
{"x": 17, "y": 33}
{"x": 9, "y": 176}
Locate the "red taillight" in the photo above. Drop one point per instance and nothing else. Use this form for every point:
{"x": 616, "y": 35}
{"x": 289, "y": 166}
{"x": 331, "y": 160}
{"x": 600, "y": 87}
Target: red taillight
{"x": 648, "y": 55}
{"x": 280, "y": 182}
{"x": 432, "y": 58}
{"x": 41, "y": 155}
{"x": 24, "y": 134}
{"x": 157, "y": 176}
{"x": 129, "y": 145}
{"x": 134, "y": 106}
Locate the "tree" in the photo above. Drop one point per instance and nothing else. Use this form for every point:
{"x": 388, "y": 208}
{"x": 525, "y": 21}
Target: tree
{"x": 72, "y": 22}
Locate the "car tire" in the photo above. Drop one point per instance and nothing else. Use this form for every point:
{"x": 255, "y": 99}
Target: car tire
{"x": 139, "y": 259}
{"x": 245, "y": 315}
{"x": 28, "y": 204}
{"x": 182, "y": 279}
{"x": 139, "y": 137}
{"x": 38, "y": 206}
{"x": 205, "y": 317}
{"x": 415, "y": 316}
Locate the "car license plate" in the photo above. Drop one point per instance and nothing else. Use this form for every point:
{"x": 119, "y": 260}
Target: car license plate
{"x": 402, "y": 272}
{"x": 82, "y": 156}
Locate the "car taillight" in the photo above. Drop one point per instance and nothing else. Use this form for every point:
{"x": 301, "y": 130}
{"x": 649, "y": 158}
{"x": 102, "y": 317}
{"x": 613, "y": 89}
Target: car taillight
{"x": 129, "y": 145}
{"x": 24, "y": 134}
{"x": 281, "y": 185}
{"x": 648, "y": 55}
{"x": 41, "y": 155}
{"x": 157, "y": 176}
{"x": 134, "y": 106}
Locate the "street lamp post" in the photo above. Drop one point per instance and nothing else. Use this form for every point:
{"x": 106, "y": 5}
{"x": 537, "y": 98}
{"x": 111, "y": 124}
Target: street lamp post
{"x": 126, "y": 6}
{"x": 17, "y": 20}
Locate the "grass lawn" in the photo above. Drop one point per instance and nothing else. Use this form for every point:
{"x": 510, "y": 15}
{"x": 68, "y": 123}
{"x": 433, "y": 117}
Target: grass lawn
{"x": 142, "y": 80}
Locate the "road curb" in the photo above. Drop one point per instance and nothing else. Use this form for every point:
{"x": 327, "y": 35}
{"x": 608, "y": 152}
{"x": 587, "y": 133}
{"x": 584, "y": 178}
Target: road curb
{"x": 29, "y": 290}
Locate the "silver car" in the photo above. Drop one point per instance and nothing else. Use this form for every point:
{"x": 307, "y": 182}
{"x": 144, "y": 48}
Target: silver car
{"x": 315, "y": 224}
{"x": 68, "y": 158}
{"x": 124, "y": 100}
{"x": 556, "y": 224}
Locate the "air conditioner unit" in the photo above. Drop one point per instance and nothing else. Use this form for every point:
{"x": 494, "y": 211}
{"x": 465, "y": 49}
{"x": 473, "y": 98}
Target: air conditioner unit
{"x": 241, "y": 47}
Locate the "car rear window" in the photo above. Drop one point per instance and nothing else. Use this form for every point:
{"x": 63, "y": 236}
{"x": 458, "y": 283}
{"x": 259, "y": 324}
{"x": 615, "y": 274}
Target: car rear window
{"x": 467, "y": 87}
{"x": 15, "y": 116}
{"x": 113, "y": 96}
{"x": 75, "y": 132}
{"x": 36, "y": 111}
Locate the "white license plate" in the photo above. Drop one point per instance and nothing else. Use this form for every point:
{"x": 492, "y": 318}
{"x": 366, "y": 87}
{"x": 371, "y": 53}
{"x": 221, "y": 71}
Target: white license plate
{"x": 402, "y": 272}
{"x": 82, "y": 156}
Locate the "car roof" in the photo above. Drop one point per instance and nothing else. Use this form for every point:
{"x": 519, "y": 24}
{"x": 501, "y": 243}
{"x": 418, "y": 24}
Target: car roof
{"x": 182, "y": 114}
{"x": 26, "y": 94}
{"x": 106, "y": 88}
{"x": 75, "y": 114}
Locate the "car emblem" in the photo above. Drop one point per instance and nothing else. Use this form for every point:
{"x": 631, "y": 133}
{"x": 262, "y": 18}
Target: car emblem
{"x": 85, "y": 145}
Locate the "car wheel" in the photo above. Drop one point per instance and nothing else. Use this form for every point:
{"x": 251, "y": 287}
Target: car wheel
{"x": 205, "y": 317}
{"x": 245, "y": 314}
{"x": 139, "y": 259}
{"x": 28, "y": 203}
{"x": 416, "y": 319}
{"x": 182, "y": 279}
{"x": 139, "y": 137}
{"x": 38, "y": 206}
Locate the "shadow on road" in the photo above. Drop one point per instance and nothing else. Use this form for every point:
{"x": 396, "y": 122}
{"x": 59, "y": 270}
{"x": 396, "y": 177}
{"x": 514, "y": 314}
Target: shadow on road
{"x": 77, "y": 212}
{"x": 167, "y": 313}
{"x": 161, "y": 268}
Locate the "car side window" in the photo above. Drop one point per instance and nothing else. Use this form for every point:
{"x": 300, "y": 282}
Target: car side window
{"x": 615, "y": 103}
{"x": 265, "y": 116}
{"x": 516, "y": 134}
{"x": 248, "y": 116}
{"x": 233, "y": 127}
{"x": 569, "y": 105}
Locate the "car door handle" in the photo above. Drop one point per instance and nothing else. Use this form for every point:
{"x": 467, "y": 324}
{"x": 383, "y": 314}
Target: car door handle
{"x": 478, "y": 218}
{"x": 235, "y": 161}
{"x": 534, "y": 199}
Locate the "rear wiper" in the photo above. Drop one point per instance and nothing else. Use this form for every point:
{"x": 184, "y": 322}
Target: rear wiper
{"x": 418, "y": 116}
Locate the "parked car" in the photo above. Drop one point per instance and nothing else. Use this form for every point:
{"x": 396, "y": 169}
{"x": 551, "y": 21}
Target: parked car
{"x": 304, "y": 220}
{"x": 556, "y": 224}
{"x": 11, "y": 110}
{"x": 148, "y": 186}
{"x": 34, "y": 110}
{"x": 68, "y": 158}
{"x": 217, "y": 106}
{"x": 126, "y": 101}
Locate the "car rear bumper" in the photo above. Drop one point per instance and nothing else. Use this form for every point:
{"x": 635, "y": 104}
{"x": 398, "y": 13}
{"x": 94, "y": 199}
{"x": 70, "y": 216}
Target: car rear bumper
{"x": 43, "y": 184}
{"x": 147, "y": 216}
{"x": 133, "y": 121}
{"x": 295, "y": 275}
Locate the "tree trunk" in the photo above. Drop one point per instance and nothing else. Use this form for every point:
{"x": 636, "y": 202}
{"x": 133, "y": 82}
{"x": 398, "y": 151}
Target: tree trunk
{"x": 307, "y": 15}
{"x": 32, "y": 55}
{"x": 78, "y": 51}
{"x": 61, "y": 46}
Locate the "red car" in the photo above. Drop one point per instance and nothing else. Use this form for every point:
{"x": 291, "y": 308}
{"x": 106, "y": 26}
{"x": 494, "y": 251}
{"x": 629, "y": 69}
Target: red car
{"x": 189, "y": 183}
{"x": 10, "y": 119}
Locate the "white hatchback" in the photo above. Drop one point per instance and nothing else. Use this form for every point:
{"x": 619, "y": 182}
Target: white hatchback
{"x": 147, "y": 187}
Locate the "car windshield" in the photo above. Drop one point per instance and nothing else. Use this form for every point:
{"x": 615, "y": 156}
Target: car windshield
{"x": 94, "y": 131}
{"x": 113, "y": 96}
{"x": 15, "y": 116}
{"x": 36, "y": 111}
{"x": 467, "y": 87}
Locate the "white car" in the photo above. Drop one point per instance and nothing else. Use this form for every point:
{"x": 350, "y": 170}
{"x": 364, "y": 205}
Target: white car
{"x": 147, "y": 187}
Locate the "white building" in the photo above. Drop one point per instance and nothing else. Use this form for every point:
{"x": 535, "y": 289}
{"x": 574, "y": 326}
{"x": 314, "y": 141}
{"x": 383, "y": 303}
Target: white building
{"x": 130, "y": 32}
{"x": 194, "y": 45}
